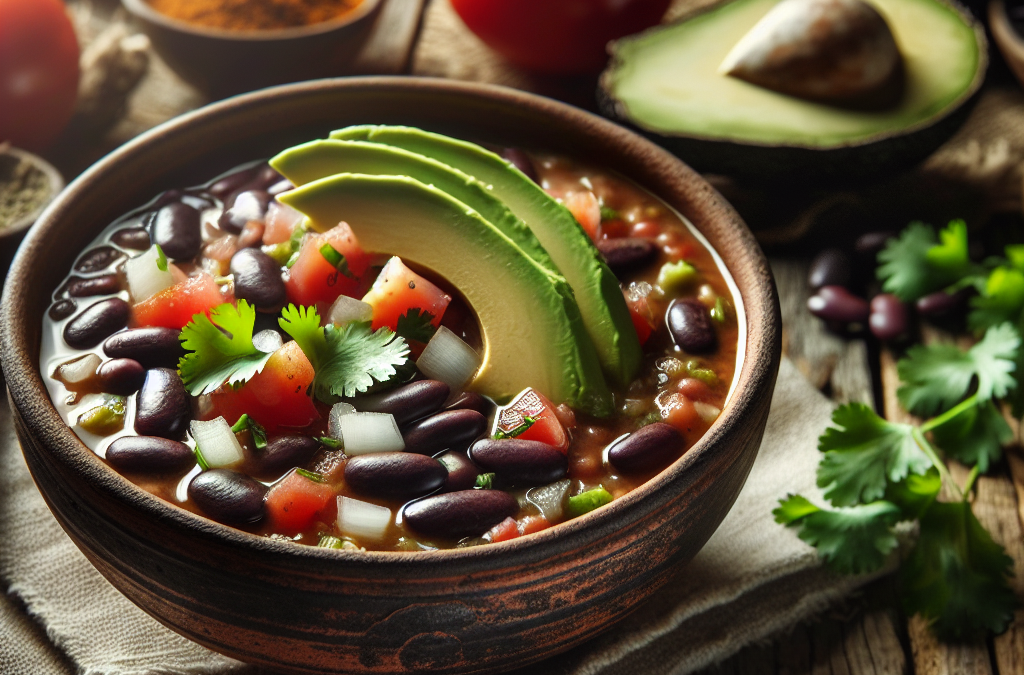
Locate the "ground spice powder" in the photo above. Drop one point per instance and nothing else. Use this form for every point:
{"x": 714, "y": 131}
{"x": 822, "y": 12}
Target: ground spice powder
{"x": 24, "y": 189}
{"x": 254, "y": 14}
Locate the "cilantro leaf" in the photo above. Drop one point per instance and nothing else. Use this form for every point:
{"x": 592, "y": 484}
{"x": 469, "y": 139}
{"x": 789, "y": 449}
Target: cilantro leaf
{"x": 863, "y": 452}
{"x": 915, "y": 493}
{"x": 221, "y": 349}
{"x": 935, "y": 377}
{"x": 1001, "y": 299}
{"x": 255, "y": 429}
{"x": 956, "y": 575}
{"x": 346, "y": 360}
{"x": 917, "y": 263}
{"x": 975, "y": 435}
{"x": 853, "y": 540}
{"x": 416, "y": 325}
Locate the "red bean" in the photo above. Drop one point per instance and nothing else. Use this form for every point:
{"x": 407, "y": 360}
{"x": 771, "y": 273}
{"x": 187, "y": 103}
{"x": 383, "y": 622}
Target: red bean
{"x": 889, "y": 318}
{"x": 149, "y": 454}
{"x": 121, "y": 376}
{"x": 470, "y": 400}
{"x": 394, "y": 474}
{"x": 942, "y": 304}
{"x": 835, "y": 303}
{"x": 177, "y": 230}
{"x": 690, "y": 326}
{"x": 108, "y": 284}
{"x": 228, "y": 496}
{"x": 96, "y": 322}
{"x": 283, "y": 453}
{"x": 62, "y": 309}
{"x": 163, "y": 407}
{"x": 649, "y": 448}
{"x": 830, "y": 267}
{"x": 407, "y": 403}
{"x": 135, "y": 238}
{"x": 152, "y": 347}
{"x": 452, "y": 429}
{"x": 462, "y": 472}
{"x": 625, "y": 254}
{"x": 454, "y": 515}
{"x": 520, "y": 462}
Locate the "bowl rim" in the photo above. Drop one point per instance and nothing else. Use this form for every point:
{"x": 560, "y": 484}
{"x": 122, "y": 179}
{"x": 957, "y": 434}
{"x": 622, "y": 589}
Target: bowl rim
{"x": 755, "y": 375}
{"x": 142, "y": 10}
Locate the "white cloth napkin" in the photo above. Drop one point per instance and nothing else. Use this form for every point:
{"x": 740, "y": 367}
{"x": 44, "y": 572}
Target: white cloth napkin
{"x": 754, "y": 579}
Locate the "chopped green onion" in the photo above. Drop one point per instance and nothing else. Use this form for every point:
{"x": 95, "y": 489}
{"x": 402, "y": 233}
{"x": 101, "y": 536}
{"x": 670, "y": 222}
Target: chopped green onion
{"x": 677, "y": 276}
{"x": 200, "y": 460}
{"x": 705, "y": 375}
{"x": 484, "y": 481}
{"x": 161, "y": 259}
{"x": 722, "y": 310}
{"x": 292, "y": 260}
{"x": 588, "y": 501}
{"x": 104, "y": 419}
{"x": 255, "y": 429}
{"x": 329, "y": 541}
{"x": 336, "y": 259}
{"x": 649, "y": 418}
{"x": 608, "y": 213}
{"x": 279, "y": 252}
{"x": 311, "y": 475}
{"x": 527, "y": 423}
{"x": 332, "y": 443}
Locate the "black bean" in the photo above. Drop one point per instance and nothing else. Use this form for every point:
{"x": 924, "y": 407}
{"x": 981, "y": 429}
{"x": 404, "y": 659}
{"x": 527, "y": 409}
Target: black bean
{"x": 466, "y": 513}
{"x": 266, "y": 177}
{"x": 889, "y": 320}
{"x": 228, "y": 496}
{"x": 107, "y": 284}
{"x": 651, "y": 447}
{"x": 520, "y": 462}
{"x": 258, "y": 279}
{"x": 394, "y": 474}
{"x": 152, "y": 347}
{"x": 521, "y": 161}
{"x": 96, "y": 322}
{"x": 448, "y": 430}
{"x": 470, "y": 400}
{"x": 690, "y": 326}
{"x": 872, "y": 242}
{"x": 62, "y": 309}
{"x": 941, "y": 304}
{"x": 162, "y": 405}
{"x": 835, "y": 303}
{"x": 232, "y": 182}
{"x": 248, "y": 205}
{"x": 285, "y": 452}
{"x": 177, "y": 229}
{"x": 168, "y": 197}
{"x": 121, "y": 376}
{"x": 625, "y": 254}
{"x": 462, "y": 472}
{"x": 98, "y": 259}
{"x": 135, "y": 238}
{"x": 407, "y": 403}
{"x": 831, "y": 267}
{"x": 149, "y": 454}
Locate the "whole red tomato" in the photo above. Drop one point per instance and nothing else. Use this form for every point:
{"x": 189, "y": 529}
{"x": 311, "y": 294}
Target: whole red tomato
{"x": 38, "y": 71}
{"x": 557, "y": 36}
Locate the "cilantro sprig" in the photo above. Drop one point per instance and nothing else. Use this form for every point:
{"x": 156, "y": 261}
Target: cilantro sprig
{"x": 220, "y": 349}
{"x": 346, "y": 360}
{"x": 416, "y": 325}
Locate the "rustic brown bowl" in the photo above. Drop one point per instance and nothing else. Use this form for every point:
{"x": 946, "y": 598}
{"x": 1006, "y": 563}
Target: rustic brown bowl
{"x": 223, "y": 62}
{"x": 311, "y": 610}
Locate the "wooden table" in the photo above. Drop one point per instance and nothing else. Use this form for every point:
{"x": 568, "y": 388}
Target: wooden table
{"x": 868, "y": 634}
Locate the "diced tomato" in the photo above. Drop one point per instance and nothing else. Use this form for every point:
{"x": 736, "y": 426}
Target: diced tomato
{"x": 648, "y": 229}
{"x": 292, "y": 503}
{"x": 175, "y": 306}
{"x": 640, "y": 312}
{"x": 275, "y": 397}
{"x": 640, "y": 323}
{"x": 678, "y": 410}
{"x": 586, "y": 210}
{"x": 313, "y": 279}
{"x": 503, "y": 531}
{"x": 531, "y": 524}
{"x": 532, "y": 405}
{"x": 281, "y": 221}
{"x": 613, "y": 229}
{"x": 398, "y": 290}
{"x": 694, "y": 389}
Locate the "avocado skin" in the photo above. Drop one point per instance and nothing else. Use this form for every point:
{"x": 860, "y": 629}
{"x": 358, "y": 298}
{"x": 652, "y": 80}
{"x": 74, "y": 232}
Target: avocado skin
{"x": 860, "y": 161}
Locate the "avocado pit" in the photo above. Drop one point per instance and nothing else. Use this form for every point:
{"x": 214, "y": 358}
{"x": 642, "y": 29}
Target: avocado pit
{"x": 835, "y": 51}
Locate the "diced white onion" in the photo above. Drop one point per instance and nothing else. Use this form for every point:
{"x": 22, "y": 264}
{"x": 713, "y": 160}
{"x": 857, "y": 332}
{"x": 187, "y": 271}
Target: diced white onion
{"x": 363, "y": 520}
{"x": 334, "y": 421}
{"x": 346, "y": 309}
{"x": 706, "y": 411}
{"x": 145, "y": 279}
{"x": 448, "y": 359}
{"x": 550, "y": 499}
{"x": 79, "y": 370}
{"x": 216, "y": 442}
{"x": 267, "y": 341}
{"x": 364, "y": 433}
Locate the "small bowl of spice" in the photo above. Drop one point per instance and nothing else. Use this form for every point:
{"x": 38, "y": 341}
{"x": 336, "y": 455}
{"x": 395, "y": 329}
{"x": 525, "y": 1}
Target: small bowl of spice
{"x": 225, "y": 47}
{"x": 27, "y": 185}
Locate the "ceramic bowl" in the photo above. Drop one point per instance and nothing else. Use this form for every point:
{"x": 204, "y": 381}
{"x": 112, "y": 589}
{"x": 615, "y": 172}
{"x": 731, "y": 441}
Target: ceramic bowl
{"x": 311, "y": 610}
{"x": 222, "y": 62}
{"x": 9, "y": 232}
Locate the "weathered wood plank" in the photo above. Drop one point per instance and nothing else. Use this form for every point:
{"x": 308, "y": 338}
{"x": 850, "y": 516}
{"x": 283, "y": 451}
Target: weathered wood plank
{"x": 887, "y": 656}
{"x": 389, "y": 46}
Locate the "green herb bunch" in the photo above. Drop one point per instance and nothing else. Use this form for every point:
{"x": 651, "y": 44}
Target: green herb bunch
{"x": 877, "y": 474}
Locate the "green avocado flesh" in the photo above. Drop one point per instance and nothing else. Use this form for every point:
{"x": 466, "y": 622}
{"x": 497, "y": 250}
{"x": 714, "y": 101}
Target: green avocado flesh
{"x": 318, "y": 159}
{"x": 667, "y": 81}
{"x": 532, "y": 332}
{"x": 597, "y": 291}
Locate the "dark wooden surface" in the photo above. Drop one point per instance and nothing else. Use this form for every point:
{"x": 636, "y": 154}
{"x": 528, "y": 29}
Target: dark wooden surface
{"x": 868, "y": 634}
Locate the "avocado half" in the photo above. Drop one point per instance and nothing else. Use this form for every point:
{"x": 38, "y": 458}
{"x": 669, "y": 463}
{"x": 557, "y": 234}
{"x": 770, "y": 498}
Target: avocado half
{"x": 666, "y": 82}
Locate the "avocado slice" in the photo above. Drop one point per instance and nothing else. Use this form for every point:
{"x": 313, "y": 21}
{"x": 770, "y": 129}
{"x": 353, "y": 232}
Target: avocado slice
{"x": 667, "y": 81}
{"x": 596, "y": 289}
{"x": 318, "y": 159}
{"x": 532, "y": 331}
